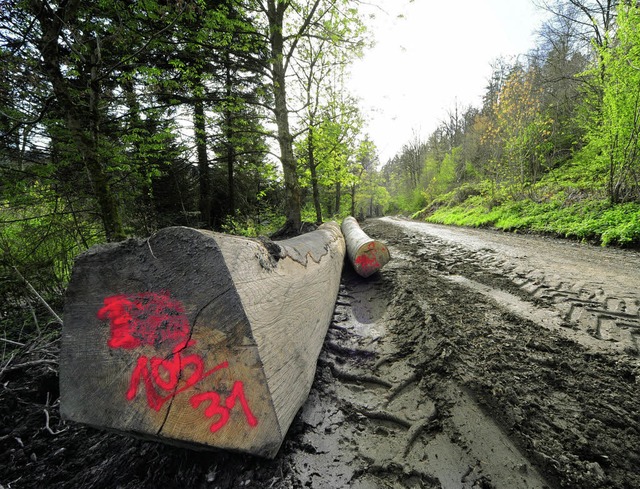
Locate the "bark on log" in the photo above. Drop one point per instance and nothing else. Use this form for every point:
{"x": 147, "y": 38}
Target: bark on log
{"x": 365, "y": 254}
{"x": 198, "y": 338}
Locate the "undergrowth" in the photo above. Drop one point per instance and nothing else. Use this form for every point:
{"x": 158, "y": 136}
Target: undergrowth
{"x": 569, "y": 211}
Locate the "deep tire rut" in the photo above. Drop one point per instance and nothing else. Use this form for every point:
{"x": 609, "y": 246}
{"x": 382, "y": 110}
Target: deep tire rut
{"x": 550, "y": 355}
{"x": 384, "y": 413}
{"x": 603, "y": 311}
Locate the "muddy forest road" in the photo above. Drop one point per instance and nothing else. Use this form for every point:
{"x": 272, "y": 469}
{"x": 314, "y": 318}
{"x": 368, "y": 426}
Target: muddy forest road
{"x": 480, "y": 359}
{"x": 475, "y": 359}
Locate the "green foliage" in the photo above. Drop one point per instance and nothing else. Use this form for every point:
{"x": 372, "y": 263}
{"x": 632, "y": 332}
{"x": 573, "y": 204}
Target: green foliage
{"x": 583, "y": 173}
{"x": 253, "y": 226}
{"x": 444, "y": 175}
{"x": 616, "y": 133}
{"x": 40, "y": 235}
{"x": 409, "y": 203}
{"x": 561, "y": 214}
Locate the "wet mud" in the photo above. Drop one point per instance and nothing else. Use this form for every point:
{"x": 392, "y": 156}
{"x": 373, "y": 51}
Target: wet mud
{"x": 467, "y": 362}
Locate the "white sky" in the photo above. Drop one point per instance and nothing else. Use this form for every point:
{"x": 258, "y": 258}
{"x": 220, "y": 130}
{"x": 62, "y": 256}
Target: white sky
{"x": 439, "y": 52}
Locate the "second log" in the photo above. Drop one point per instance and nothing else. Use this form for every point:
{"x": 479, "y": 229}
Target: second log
{"x": 367, "y": 255}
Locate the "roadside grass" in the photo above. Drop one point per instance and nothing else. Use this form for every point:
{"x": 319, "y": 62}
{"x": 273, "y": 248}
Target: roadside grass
{"x": 560, "y": 210}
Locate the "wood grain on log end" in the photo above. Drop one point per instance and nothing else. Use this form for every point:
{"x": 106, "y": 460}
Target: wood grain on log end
{"x": 197, "y": 338}
{"x": 367, "y": 256}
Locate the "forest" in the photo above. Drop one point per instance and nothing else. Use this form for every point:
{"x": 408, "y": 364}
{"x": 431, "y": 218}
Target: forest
{"x": 554, "y": 146}
{"x": 118, "y": 118}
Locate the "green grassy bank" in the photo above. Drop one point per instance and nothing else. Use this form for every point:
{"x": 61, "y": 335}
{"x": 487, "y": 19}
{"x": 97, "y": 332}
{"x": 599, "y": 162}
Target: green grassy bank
{"x": 589, "y": 220}
{"x": 559, "y": 205}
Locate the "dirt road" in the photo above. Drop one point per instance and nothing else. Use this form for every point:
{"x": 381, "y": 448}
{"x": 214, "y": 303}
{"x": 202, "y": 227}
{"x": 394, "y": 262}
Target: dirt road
{"x": 480, "y": 359}
{"x": 475, "y": 359}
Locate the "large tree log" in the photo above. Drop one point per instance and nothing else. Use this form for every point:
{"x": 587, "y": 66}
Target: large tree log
{"x": 198, "y": 338}
{"x": 366, "y": 255}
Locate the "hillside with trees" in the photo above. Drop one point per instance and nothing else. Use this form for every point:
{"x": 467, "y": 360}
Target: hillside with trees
{"x": 554, "y": 146}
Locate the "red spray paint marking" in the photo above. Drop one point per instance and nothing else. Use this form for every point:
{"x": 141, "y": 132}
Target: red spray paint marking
{"x": 147, "y": 318}
{"x": 216, "y": 408}
{"x": 155, "y": 319}
{"x": 174, "y": 369}
{"x": 366, "y": 262}
{"x": 369, "y": 259}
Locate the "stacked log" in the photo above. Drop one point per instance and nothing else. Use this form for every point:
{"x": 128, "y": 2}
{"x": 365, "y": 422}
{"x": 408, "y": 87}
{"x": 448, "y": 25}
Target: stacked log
{"x": 367, "y": 255}
{"x": 198, "y": 338}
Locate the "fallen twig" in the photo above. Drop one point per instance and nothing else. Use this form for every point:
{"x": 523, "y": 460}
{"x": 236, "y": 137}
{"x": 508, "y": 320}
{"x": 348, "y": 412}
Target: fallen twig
{"x": 6, "y": 365}
{"x": 35, "y": 292}
{"x": 46, "y": 425}
{"x": 28, "y": 364}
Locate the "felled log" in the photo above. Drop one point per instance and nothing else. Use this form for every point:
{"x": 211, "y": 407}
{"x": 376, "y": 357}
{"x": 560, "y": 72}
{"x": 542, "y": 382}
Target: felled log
{"x": 198, "y": 338}
{"x": 365, "y": 254}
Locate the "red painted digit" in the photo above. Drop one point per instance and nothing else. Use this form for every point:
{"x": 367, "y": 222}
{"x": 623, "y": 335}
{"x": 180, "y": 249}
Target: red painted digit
{"x": 214, "y": 408}
{"x": 170, "y": 367}
{"x": 238, "y": 393}
{"x": 154, "y": 400}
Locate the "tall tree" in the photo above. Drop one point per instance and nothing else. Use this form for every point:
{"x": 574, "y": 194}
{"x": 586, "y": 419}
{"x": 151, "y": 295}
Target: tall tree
{"x": 69, "y": 37}
{"x": 561, "y": 61}
{"x": 286, "y": 23}
{"x": 618, "y": 134}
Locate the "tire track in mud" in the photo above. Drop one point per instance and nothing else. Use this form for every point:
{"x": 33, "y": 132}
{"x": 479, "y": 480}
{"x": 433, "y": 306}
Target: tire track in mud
{"x": 496, "y": 334}
{"x": 604, "y": 312}
{"x": 586, "y": 307}
{"x": 365, "y": 412}
{"x": 372, "y": 421}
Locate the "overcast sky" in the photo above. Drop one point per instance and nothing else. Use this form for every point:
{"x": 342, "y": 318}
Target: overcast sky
{"x": 437, "y": 52}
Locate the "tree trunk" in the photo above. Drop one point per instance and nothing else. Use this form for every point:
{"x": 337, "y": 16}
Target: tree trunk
{"x": 314, "y": 178}
{"x": 366, "y": 255}
{"x": 229, "y": 148}
{"x": 293, "y": 204}
{"x": 82, "y": 115}
{"x": 353, "y": 199}
{"x": 204, "y": 178}
{"x": 338, "y": 196}
{"x": 198, "y": 338}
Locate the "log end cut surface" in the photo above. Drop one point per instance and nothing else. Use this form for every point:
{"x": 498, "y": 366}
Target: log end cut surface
{"x": 366, "y": 254}
{"x": 156, "y": 343}
{"x": 370, "y": 257}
